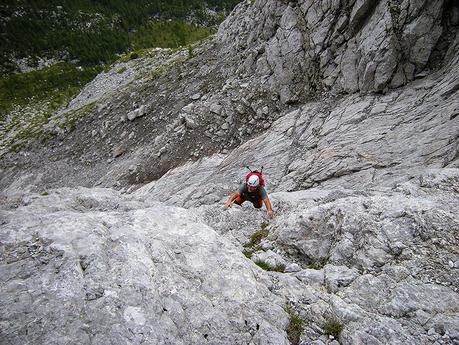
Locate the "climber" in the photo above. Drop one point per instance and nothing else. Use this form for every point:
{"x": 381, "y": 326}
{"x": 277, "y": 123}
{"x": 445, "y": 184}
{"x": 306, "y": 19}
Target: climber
{"x": 252, "y": 190}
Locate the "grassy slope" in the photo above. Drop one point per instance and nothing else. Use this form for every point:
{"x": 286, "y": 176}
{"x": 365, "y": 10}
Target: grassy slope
{"x": 93, "y": 33}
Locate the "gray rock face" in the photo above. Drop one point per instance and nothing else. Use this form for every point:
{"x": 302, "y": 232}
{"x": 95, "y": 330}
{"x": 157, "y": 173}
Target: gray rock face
{"x": 100, "y": 266}
{"x": 364, "y": 186}
{"x": 94, "y": 267}
{"x": 359, "y": 142}
{"x": 266, "y": 60}
{"x": 372, "y": 241}
{"x": 385, "y": 272}
{"x": 345, "y": 46}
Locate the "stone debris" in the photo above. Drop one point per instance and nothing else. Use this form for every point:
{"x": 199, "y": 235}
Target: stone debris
{"x": 216, "y": 108}
{"x": 136, "y": 113}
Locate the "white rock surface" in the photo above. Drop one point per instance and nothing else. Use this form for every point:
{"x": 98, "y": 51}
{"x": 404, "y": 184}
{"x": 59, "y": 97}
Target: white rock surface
{"x": 92, "y": 260}
{"x": 364, "y": 185}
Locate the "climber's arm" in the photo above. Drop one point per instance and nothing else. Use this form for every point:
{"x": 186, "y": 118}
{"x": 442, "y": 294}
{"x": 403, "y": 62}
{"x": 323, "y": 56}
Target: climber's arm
{"x": 231, "y": 199}
{"x": 269, "y": 208}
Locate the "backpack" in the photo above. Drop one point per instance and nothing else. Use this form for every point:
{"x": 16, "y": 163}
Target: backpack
{"x": 255, "y": 172}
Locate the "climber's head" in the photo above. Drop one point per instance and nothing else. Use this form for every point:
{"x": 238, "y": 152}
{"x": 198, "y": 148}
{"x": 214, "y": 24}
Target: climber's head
{"x": 253, "y": 182}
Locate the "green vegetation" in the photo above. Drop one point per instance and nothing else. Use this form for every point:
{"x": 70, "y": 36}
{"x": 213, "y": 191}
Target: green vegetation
{"x": 295, "y": 326}
{"x": 267, "y": 267}
{"x": 248, "y": 253}
{"x": 190, "y": 51}
{"x": 32, "y": 129}
{"x": 88, "y": 35}
{"x": 171, "y": 34}
{"x": 257, "y": 236}
{"x": 133, "y": 55}
{"x": 31, "y": 98}
{"x": 333, "y": 327}
{"x": 317, "y": 265}
{"x": 71, "y": 118}
{"x": 56, "y": 84}
{"x": 158, "y": 72}
{"x": 252, "y": 246}
{"x": 95, "y": 31}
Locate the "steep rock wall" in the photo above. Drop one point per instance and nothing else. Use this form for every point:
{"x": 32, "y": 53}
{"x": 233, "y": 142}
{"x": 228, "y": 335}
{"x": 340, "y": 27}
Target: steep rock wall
{"x": 364, "y": 188}
{"x": 359, "y": 142}
{"x": 303, "y": 47}
{"x": 268, "y": 57}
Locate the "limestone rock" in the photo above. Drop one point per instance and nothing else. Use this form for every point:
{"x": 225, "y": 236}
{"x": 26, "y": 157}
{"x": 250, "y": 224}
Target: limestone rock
{"x": 216, "y": 108}
{"x": 350, "y": 106}
{"x": 269, "y": 257}
{"x": 293, "y": 267}
{"x": 141, "y": 111}
{"x": 311, "y": 277}
{"x": 145, "y": 270}
{"x": 359, "y": 53}
{"x": 338, "y": 276}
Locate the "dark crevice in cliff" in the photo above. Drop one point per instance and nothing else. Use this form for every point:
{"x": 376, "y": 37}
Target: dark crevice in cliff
{"x": 450, "y": 24}
{"x": 363, "y": 15}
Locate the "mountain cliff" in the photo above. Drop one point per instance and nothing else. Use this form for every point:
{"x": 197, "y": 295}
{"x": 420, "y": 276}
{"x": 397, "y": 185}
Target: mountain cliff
{"x": 113, "y": 229}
